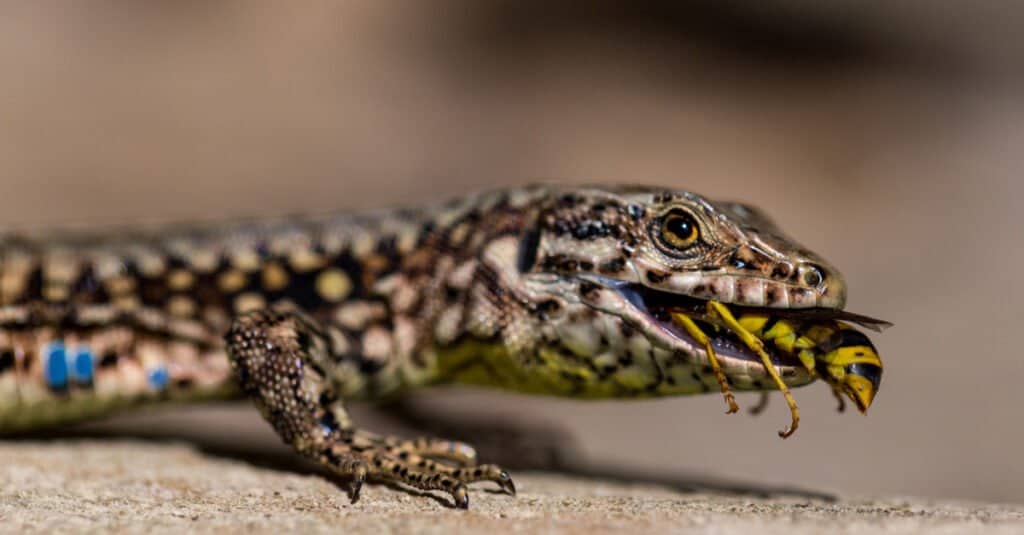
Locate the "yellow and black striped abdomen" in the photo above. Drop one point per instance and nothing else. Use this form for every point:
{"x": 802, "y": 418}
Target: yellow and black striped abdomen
{"x": 841, "y": 355}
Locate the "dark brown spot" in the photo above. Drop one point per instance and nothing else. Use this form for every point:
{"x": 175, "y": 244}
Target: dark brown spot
{"x": 108, "y": 359}
{"x": 613, "y": 266}
{"x": 560, "y": 228}
{"x": 590, "y": 290}
{"x": 569, "y": 200}
{"x": 589, "y": 230}
{"x": 6, "y": 359}
{"x": 656, "y": 277}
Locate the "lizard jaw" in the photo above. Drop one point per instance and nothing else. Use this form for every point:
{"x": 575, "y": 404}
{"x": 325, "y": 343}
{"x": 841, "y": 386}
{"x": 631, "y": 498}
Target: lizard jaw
{"x": 648, "y": 310}
{"x": 725, "y": 346}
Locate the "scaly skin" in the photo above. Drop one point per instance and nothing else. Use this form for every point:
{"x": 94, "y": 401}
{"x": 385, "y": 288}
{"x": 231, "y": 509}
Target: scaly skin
{"x": 543, "y": 289}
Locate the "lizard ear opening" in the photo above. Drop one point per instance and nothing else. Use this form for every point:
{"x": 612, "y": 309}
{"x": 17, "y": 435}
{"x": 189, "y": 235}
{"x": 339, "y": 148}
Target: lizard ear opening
{"x": 529, "y": 243}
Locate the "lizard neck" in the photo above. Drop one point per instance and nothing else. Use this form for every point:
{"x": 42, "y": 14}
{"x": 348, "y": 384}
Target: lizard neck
{"x": 410, "y": 321}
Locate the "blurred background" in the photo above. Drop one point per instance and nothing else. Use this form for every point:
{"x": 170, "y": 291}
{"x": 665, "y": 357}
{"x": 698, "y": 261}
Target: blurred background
{"x": 887, "y": 136}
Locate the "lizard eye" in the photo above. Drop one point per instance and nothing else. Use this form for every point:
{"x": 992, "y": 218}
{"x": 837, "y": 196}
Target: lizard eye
{"x": 678, "y": 229}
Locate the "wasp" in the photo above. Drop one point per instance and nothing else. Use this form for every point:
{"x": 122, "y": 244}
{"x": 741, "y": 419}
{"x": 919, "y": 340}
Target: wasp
{"x": 824, "y": 341}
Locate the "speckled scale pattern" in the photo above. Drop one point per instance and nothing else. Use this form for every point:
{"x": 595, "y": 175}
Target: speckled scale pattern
{"x": 354, "y": 273}
{"x": 531, "y": 289}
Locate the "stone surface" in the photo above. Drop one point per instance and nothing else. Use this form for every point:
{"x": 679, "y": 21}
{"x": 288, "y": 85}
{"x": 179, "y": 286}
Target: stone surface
{"x": 133, "y": 486}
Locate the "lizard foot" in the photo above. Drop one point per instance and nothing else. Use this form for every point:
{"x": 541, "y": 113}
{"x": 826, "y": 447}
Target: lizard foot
{"x": 413, "y": 468}
{"x": 426, "y": 464}
{"x": 281, "y": 360}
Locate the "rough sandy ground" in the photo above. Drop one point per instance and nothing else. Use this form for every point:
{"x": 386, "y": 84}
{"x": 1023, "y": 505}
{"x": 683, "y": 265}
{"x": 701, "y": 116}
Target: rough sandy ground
{"x": 123, "y": 486}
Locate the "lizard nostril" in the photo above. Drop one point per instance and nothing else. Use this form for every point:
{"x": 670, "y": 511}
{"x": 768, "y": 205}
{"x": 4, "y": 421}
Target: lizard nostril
{"x": 812, "y": 275}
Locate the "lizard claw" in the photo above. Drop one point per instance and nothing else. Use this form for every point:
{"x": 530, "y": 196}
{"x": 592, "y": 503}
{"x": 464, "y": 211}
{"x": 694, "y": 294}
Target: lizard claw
{"x": 357, "y": 487}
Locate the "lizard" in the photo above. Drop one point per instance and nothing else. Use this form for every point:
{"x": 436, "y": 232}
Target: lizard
{"x": 543, "y": 289}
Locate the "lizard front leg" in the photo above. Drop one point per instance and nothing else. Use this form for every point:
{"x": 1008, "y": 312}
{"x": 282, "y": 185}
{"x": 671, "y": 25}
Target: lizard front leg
{"x": 281, "y": 359}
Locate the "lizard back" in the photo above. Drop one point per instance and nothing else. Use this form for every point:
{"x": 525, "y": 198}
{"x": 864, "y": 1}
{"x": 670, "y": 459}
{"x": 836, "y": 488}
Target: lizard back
{"x": 94, "y": 322}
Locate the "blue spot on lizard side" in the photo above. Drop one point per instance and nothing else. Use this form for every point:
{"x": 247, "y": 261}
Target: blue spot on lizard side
{"x": 55, "y": 366}
{"x": 82, "y": 365}
{"x": 158, "y": 377}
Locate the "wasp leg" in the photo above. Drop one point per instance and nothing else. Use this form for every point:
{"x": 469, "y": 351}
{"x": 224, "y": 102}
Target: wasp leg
{"x": 839, "y": 397}
{"x": 282, "y": 360}
{"x": 762, "y": 404}
{"x": 693, "y": 330}
{"x": 718, "y": 309}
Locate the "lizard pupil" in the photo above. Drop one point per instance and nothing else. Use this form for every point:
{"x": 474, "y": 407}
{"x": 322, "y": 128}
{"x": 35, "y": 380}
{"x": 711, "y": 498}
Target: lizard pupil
{"x": 679, "y": 230}
{"x": 680, "y": 227}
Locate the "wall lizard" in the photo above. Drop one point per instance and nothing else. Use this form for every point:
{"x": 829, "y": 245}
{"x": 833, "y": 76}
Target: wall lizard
{"x": 567, "y": 291}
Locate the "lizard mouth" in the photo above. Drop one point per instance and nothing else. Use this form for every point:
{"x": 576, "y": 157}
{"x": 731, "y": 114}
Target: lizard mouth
{"x": 657, "y": 305}
{"x": 655, "y": 308}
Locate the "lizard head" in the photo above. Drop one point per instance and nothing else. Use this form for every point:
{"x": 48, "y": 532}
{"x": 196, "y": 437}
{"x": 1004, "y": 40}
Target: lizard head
{"x": 606, "y": 268}
{"x": 682, "y": 243}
